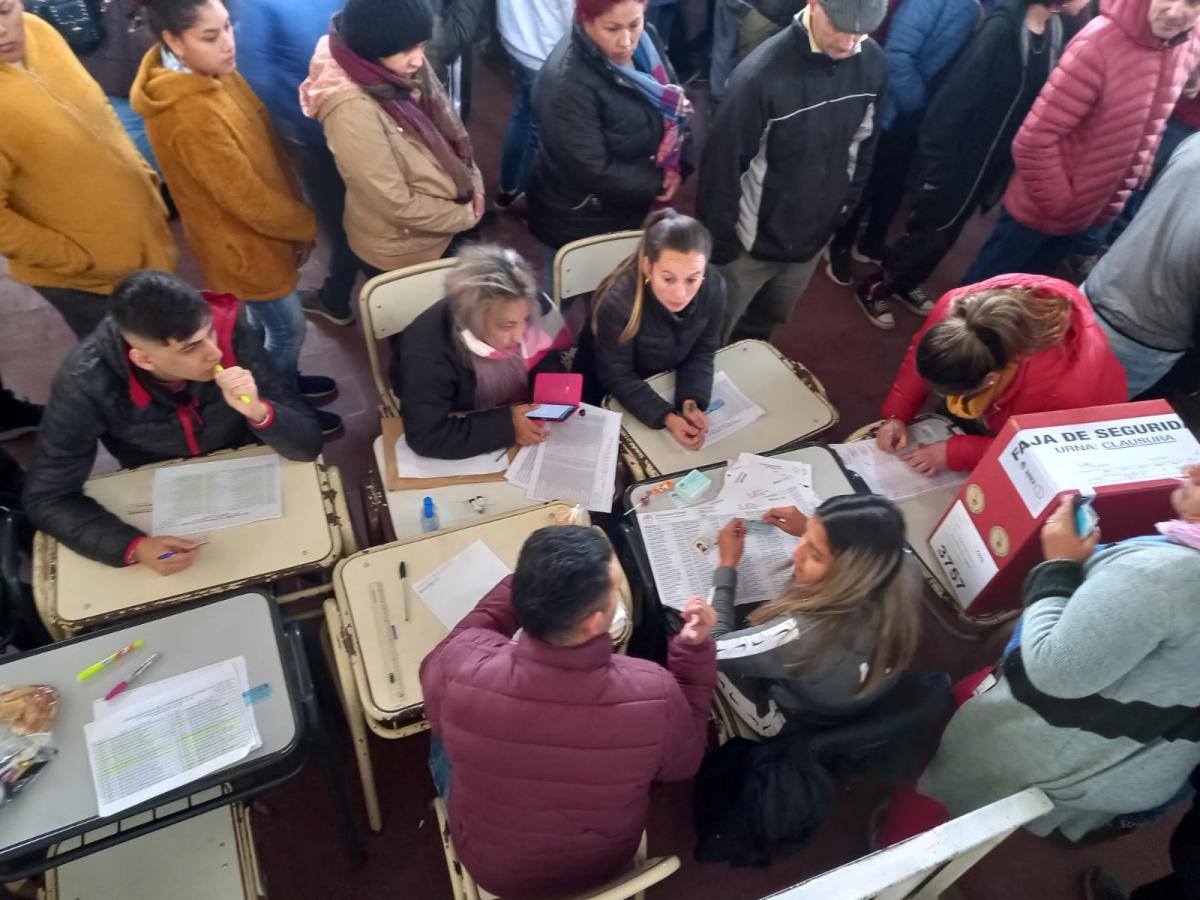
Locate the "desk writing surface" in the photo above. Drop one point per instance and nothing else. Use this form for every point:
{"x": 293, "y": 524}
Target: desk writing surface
{"x": 792, "y": 411}
{"x": 374, "y": 574}
{"x": 453, "y": 510}
{"x": 63, "y": 795}
{"x": 85, "y": 589}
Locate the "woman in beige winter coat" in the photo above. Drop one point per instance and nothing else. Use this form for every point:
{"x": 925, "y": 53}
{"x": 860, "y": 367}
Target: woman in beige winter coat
{"x": 411, "y": 180}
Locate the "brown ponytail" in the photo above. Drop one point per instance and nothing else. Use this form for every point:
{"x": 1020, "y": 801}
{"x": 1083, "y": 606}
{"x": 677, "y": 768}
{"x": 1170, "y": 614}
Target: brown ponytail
{"x": 664, "y": 229}
{"x": 985, "y": 332}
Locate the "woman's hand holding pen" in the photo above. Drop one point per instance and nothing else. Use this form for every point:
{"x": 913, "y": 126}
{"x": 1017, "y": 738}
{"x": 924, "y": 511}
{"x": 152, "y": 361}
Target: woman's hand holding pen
{"x": 527, "y": 431}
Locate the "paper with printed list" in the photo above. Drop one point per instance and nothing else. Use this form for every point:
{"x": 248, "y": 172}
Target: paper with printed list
{"x": 170, "y": 733}
{"x": 220, "y": 493}
{"x": 577, "y": 463}
{"x": 681, "y": 543}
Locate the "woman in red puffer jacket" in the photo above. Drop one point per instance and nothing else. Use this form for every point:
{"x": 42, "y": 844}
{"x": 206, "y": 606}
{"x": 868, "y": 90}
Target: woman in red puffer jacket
{"x": 1014, "y": 344}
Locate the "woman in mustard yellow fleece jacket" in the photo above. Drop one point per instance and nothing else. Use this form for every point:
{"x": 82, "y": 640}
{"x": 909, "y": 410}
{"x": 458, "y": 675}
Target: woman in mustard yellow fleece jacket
{"x": 79, "y": 208}
{"x": 237, "y": 196}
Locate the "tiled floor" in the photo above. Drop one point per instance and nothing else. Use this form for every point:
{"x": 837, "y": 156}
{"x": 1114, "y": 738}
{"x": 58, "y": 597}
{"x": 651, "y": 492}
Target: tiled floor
{"x": 300, "y": 852}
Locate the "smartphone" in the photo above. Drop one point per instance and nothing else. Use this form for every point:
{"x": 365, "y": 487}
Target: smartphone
{"x": 1086, "y": 518}
{"x": 551, "y": 412}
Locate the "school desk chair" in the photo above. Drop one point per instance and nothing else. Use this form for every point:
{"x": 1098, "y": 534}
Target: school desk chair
{"x": 925, "y": 866}
{"x": 642, "y": 873}
{"x": 387, "y": 305}
{"x": 581, "y": 265}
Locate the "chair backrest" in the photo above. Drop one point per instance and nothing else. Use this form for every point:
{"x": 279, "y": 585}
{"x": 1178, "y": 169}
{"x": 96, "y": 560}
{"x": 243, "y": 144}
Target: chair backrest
{"x": 581, "y": 265}
{"x": 923, "y": 867}
{"x": 387, "y": 305}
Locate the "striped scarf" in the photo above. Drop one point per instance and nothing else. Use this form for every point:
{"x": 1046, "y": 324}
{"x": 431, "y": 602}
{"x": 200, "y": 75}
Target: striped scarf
{"x": 649, "y": 75}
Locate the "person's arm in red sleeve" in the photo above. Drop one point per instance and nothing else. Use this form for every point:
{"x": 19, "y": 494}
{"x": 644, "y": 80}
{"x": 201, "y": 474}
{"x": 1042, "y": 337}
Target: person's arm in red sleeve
{"x": 695, "y": 669}
{"x": 965, "y": 451}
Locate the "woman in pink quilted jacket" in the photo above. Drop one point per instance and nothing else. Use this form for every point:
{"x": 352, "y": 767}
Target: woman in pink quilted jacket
{"x": 1090, "y": 138}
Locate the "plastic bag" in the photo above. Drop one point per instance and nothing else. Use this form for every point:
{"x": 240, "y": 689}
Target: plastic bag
{"x": 27, "y": 717}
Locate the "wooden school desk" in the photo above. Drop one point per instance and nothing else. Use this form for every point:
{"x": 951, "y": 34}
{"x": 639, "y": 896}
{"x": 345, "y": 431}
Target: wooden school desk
{"x": 378, "y": 674}
{"x": 60, "y": 808}
{"x": 74, "y": 593}
{"x": 404, "y": 507}
{"x": 794, "y": 402}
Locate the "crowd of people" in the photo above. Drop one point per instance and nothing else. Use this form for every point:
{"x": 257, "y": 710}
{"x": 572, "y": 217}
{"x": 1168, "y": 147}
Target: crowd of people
{"x": 342, "y": 121}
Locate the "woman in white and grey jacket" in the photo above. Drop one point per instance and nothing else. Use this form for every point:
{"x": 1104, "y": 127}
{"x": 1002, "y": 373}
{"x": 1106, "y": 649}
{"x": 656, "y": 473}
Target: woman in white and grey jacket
{"x": 842, "y": 631}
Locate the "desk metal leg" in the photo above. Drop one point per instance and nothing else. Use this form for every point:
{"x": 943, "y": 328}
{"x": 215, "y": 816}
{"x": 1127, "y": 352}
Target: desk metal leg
{"x": 339, "y": 665}
{"x": 324, "y": 746}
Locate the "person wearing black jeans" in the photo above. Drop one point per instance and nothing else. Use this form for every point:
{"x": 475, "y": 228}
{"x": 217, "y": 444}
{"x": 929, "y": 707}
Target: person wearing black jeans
{"x": 1181, "y": 884}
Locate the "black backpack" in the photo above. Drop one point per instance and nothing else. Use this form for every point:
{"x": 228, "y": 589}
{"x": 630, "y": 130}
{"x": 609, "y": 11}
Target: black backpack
{"x": 78, "y": 21}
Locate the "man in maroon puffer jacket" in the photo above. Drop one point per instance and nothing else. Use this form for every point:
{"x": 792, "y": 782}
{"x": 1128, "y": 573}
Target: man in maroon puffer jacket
{"x": 553, "y": 741}
{"x": 1090, "y": 138}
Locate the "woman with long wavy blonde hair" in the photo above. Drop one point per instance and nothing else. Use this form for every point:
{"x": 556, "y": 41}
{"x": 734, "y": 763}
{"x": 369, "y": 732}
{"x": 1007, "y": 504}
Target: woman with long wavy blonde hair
{"x": 846, "y": 626}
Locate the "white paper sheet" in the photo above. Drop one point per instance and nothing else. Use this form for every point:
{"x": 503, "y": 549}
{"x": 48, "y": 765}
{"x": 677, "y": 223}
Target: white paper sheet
{"x": 577, "y": 463}
{"x": 890, "y": 475}
{"x": 410, "y": 465}
{"x": 454, "y": 588}
{"x": 681, "y": 543}
{"x": 187, "y": 727}
{"x": 520, "y": 470}
{"x": 729, "y": 410}
{"x": 221, "y": 493}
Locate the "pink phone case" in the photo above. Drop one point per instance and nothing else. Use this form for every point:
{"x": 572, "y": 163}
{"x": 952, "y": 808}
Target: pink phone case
{"x": 565, "y": 388}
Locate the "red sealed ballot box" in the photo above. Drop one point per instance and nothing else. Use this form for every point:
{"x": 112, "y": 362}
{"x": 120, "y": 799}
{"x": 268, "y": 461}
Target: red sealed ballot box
{"x": 1129, "y": 454}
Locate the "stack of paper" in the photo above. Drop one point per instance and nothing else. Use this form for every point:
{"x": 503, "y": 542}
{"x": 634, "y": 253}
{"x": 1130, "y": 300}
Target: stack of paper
{"x": 165, "y": 735}
{"x": 577, "y": 463}
{"x": 223, "y": 493}
{"x": 410, "y": 465}
{"x": 729, "y": 410}
{"x": 889, "y": 475}
{"x": 681, "y": 543}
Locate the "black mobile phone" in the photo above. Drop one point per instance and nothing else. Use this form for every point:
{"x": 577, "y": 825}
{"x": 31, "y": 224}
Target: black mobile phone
{"x": 1086, "y": 517}
{"x": 551, "y": 412}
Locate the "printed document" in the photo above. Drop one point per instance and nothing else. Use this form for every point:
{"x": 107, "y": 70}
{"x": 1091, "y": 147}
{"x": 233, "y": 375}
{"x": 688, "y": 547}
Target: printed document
{"x": 890, "y": 475}
{"x": 180, "y": 730}
{"x": 520, "y": 470}
{"x": 221, "y": 493}
{"x": 454, "y": 588}
{"x": 682, "y": 543}
{"x": 729, "y": 410}
{"x": 577, "y": 463}
{"x": 410, "y": 465}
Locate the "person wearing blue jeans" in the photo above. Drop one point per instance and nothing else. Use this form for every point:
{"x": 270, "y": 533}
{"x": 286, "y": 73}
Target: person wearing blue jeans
{"x": 520, "y": 139}
{"x": 1013, "y": 247}
{"x": 529, "y": 30}
{"x": 284, "y": 325}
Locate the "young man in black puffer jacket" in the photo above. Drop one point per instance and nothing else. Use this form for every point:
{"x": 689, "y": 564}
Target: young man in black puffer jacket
{"x": 144, "y": 384}
{"x": 790, "y": 153}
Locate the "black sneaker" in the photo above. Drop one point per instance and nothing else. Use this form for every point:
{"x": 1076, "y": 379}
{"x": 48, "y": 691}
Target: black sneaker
{"x": 871, "y": 298}
{"x": 316, "y": 387}
{"x": 867, "y": 253}
{"x": 315, "y": 305}
{"x": 837, "y": 264}
{"x": 505, "y": 200}
{"x": 331, "y": 423}
{"x": 915, "y": 299}
{"x": 1101, "y": 884}
{"x": 17, "y": 417}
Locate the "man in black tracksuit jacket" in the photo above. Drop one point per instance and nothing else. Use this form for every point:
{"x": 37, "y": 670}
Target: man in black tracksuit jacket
{"x": 144, "y": 385}
{"x": 789, "y": 155}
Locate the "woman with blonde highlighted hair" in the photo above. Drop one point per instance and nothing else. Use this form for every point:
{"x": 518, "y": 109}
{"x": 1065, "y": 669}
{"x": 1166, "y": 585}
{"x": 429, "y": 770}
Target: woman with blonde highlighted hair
{"x": 840, "y": 634}
{"x": 1010, "y": 345}
{"x": 660, "y": 309}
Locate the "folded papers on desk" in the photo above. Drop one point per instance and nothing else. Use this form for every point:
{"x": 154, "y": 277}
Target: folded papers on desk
{"x": 156, "y": 738}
